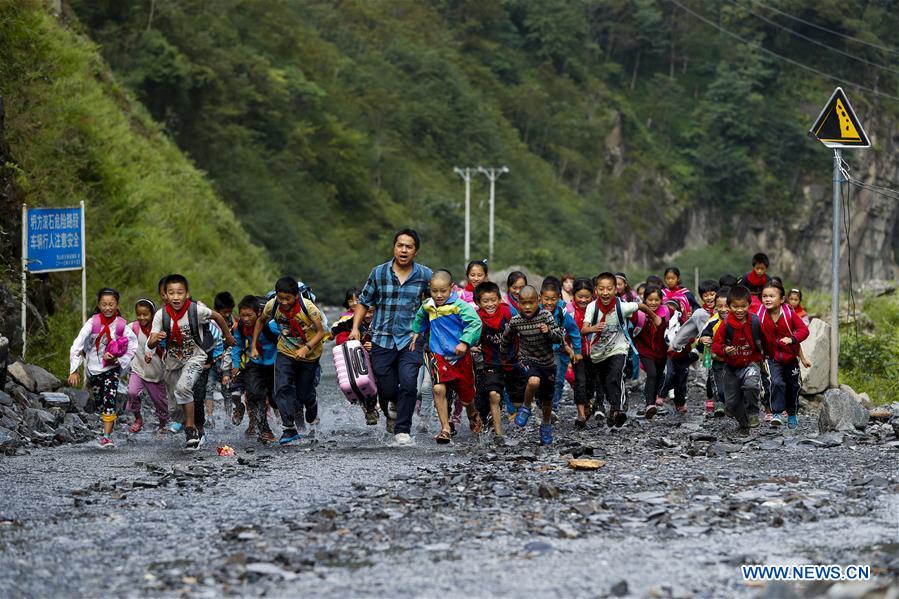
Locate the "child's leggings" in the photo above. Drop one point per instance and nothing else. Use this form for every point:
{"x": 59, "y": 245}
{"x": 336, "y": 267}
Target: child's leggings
{"x": 103, "y": 388}
{"x": 156, "y": 391}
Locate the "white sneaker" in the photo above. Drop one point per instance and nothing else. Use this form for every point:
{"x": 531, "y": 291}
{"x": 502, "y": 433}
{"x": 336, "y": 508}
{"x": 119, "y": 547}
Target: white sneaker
{"x": 403, "y": 439}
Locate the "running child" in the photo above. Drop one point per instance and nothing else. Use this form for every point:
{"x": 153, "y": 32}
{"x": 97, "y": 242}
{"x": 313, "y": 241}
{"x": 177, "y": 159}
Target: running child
{"x": 515, "y": 282}
{"x": 219, "y": 378}
{"x": 652, "y": 348}
{"x": 607, "y": 317}
{"x": 182, "y": 324}
{"x": 794, "y": 298}
{"x": 674, "y": 290}
{"x": 341, "y": 332}
{"x": 717, "y": 364}
{"x": 738, "y": 343}
{"x": 258, "y": 373}
{"x": 623, "y": 289}
{"x": 105, "y": 345}
{"x": 584, "y": 369}
{"x": 783, "y": 331}
{"x": 501, "y": 372}
{"x": 568, "y": 288}
{"x": 453, "y": 327}
{"x": 536, "y": 332}
{"x": 475, "y": 274}
{"x": 147, "y": 370}
{"x": 299, "y": 351}
{"x": 570, "y": 348}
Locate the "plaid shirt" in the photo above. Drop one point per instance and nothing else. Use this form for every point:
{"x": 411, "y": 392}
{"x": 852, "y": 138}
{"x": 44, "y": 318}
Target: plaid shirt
{"x": 395, "y": 304}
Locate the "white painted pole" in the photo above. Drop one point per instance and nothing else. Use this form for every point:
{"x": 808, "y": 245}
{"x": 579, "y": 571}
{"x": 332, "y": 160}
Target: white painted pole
{"x": 24, "y": 279}
{"x": 466, "y": 176}
{"x": 835, "y": 256}
{"x": 493, "y": 174}
{"x": 83, "y": 266}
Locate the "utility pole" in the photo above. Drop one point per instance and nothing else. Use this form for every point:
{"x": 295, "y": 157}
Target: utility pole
{"x": 835, "y": 265}
{"x": 466, "y": 174}
{"x": 493, "y": 174}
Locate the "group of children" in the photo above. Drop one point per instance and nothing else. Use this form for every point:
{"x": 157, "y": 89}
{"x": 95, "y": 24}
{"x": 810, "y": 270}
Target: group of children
{"x": 486, "y": 352}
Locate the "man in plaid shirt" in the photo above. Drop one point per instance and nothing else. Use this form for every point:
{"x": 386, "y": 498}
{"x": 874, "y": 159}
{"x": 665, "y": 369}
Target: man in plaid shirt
{"x": 395, "y": 289}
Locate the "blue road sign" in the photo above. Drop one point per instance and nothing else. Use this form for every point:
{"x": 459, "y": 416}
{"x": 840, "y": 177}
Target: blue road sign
{"x": 55, "y": 239}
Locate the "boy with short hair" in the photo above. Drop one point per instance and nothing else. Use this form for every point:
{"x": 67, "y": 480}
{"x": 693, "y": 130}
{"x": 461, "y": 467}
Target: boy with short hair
{"x": 299, "y": 350}
{"x": 609, "y": 351}
{"x": 501, "y": 371}
{"x": 738, "y": 342}
{"x": 570, "y": 348}
{"x": 715, "y": 387}
{"x": 536, "y": 331}
{"x": 182, "y": 323}
{"x": 257, "y": 373}
{"x": 454, "y": 327}
{"x": 756, "y": 279}
{"x": 219, "y": 378}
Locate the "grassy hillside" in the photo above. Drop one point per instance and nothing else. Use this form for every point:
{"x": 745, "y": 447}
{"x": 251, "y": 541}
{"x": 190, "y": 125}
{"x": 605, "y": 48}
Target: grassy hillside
{"x": 76, "y": 134}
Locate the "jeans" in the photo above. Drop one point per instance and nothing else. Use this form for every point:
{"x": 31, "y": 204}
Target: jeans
{"x": 295, "y": 389}
{"x": 610, "y": 378}
{"x": 396, "y": 371}
{"x": 561, "y": 368}
{"x": 741, "y": 391}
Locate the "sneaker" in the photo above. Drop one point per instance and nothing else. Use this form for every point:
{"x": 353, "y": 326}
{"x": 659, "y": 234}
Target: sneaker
{"x": 546, "y": 434}
{"x": 391, "y": 410}
{"x": 579, "y": 424}
{"x": 266, "y": 437}
{"x": 175, "y": 427}
{"x": 784, "y": 415}
{"x": 792, "y": 421}
{"x": 682, "y": 409}
{"x": 641, "y": 412}
{"x": 210, "y": 422}
{"x": 650, "y": 412}
{"x": 390, "y": 423}
{"x": 289, "y": 435}
{"x": 202, "y": 440}
{"x": 777, "y": 421}
{"x": 522, "y": 417}
{"x": 312, "y": 413}
{"x": 619, "y": 417}
{"x": 136, "y": 426}
{"x": 754, "y": 421}
{"x": 105, "y": 442}
{"x": 768, "y": 416}
{"x": 192, "y": 439}
{"x": 743, "y": 431}
{"x": 720, "y": 412}
{"x": 237, "y": 413}
{"x": 709, "y": 407}
{"x": 403, "y": 439}
{"x": 371, "y": 418}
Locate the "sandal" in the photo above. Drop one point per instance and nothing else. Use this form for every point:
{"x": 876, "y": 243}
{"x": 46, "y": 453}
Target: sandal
{"x": 443, "y": 437}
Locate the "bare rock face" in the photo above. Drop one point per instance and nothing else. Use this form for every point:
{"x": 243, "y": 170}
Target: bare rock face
{"x": 817, "y": 349}
{"x": 840, "y": 411}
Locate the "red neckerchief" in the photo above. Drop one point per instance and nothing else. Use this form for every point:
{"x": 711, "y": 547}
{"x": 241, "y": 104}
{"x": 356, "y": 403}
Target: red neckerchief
{"x": 579, "y": 314}
{"x": 106, "y": 331}
{"x": 146, "y": 331}
{"x": 469, "y": 287}
{"x": 494, "y": 321}
{"x": 755, "y": 280}
{"x": 176, "y": 317}
{"x": 709, "y": 308}
{"x": 247, "y": 333}
{"x": 296, "y": 330}
{"x": 605, "y": 310}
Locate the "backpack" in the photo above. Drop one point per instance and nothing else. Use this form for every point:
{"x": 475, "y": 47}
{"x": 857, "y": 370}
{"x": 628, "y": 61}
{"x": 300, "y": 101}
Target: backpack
{"x": 756, "y": 326}
{"x": 97, "y": 326}
{"x": 202, "y": 337}
{"x": 633, "y": 357}
{"x": 304, "y": 291}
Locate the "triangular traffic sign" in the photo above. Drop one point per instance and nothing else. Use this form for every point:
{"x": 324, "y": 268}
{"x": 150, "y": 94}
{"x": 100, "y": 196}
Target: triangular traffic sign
{"x": 837, "y": 126}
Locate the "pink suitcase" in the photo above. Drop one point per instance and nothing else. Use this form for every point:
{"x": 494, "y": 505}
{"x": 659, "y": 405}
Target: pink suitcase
{"x": 354, "y": 374}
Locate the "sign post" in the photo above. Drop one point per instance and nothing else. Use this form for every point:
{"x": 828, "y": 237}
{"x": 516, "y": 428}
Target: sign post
{"x": 837, "y": 127}
{"x": 52, "y": 241}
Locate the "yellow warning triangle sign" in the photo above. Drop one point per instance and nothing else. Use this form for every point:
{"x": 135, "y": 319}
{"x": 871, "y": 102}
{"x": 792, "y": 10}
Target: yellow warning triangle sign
{"x": 837, "y": 126}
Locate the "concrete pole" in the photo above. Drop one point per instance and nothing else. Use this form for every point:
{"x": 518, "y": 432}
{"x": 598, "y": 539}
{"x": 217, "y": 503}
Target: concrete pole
{"x": 835, "y": 297}
{"x": 493, "y": 174}
{"x": 466, "y": 176}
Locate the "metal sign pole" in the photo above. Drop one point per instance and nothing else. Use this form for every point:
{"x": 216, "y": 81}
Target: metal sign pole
{"x": 83, "y": 266}
{"x": 466, "y": 176}
{"x": 835, "y": 298}
{"x": 24, "y": 278}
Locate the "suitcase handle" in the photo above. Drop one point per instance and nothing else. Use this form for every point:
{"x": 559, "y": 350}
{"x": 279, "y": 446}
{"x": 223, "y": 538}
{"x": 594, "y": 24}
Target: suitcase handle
{"x": 359, "y": 358}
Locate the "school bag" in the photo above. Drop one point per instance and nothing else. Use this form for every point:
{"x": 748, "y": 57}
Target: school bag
{"x": 202, "y": 337}
{"x": 756, "y": 327}
{"x": 304, "y": 291}
{"x": 633, "y": 358}
{"x": 97, "y": 326}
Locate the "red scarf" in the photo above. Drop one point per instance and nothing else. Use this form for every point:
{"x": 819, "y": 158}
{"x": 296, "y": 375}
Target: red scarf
{"x": 606, "y": 310}
{"x": 146, "y": 331}
{"x": 106, "y": 330}
{"x": 247, "y": 334}
{"x": 469, "y": 287}
{"x": 177, "y": 316}
{"x": 755, "y": 280}
{"x": 296, "y": 329}
{"x": 495, "y": 320}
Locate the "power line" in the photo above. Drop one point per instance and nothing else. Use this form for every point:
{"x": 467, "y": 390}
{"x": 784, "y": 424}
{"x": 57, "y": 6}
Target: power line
{"x": 816, "y": 42}
{"x": 825, "y": 29}
{"x": 782, "y": 57}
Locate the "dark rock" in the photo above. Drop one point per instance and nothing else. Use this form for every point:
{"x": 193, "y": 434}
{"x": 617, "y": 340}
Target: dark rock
{"x": 9, "y": 440}
{"x": 79, "y": 397}
{"x": 43, "y": 380}
{"x": 539, "y": 547}
{"x": 25, "y": 399}
{"x": 40, "y": 420}
{"x": 619, "y": 589}
{"x": 6, "y": 399}
{"x": 19, "y": 372}
{"x": 546, "y": 491}
{"x": 63, "y": 435}
{"x": 840, "y": 412}
{"x": 53, "y": 399}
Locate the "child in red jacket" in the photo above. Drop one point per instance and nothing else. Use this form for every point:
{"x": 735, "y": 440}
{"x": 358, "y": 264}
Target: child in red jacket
{"x": 783, "y": 331}
{"x": 740, "y": 345}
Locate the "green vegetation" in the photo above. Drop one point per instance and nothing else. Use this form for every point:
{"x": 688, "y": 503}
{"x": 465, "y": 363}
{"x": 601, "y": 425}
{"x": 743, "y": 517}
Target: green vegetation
{"x": 869, "y": 354}
{"x": 77, "y": 135}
